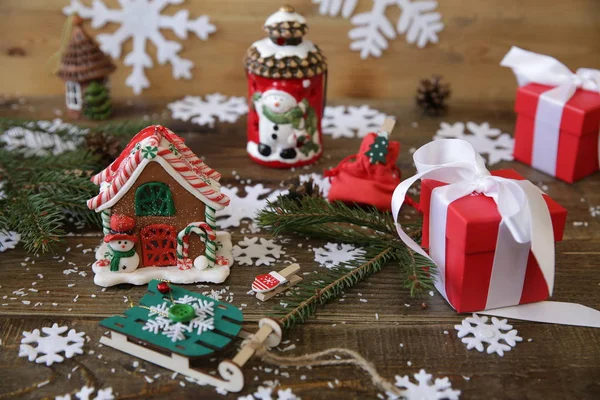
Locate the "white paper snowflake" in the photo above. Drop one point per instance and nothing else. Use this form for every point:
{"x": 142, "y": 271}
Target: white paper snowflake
{"x": 243, "y": 207}
{"x": 265, "y": 251}
{"x": 496, "y": 145}
{"x": 161, "y": 324}
{"x": 424, "y": 389}
{"x": 333, "y": 8}
{"x": 175, "y": 331}
{"x": 206, "y": 112}
{"x": 266, "y": 393}
{"x": 57, "y": 137}
{"x": 372, "y": 29}
{"x": 351, "y": 121}
{"x": 85, "y": 394}
{"x": 334, "y": 255}
{"x": 481, "y": 332}
{"x": 142, "y": 21}
{"x": 9, "y": 240}
{"x": 51, "y": 345}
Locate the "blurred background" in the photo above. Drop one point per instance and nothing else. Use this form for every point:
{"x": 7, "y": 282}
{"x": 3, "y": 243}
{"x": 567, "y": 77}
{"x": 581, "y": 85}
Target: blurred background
{"x": 475, "y": 37}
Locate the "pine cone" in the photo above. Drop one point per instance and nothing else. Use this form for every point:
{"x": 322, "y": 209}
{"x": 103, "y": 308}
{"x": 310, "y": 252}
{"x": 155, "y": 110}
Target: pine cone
{"x": 107, "y": 147}
{"x": 297, "y": 190}
{"x": 432, "y": 94}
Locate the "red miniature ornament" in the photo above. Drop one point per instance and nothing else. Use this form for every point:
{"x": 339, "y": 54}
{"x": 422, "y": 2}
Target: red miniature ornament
{"x": 370, "y": 176}
{"x": 286, "y": 89}
{"x": 163, "y": 287}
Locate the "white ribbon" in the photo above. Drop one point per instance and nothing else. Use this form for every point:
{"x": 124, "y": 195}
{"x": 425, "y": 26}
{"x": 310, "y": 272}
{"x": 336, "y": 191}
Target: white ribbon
{"x": 525, "y": 225}
{"x": 537, "y": 68}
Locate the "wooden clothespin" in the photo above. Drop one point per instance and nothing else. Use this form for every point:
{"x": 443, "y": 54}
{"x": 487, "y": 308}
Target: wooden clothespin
{"x": 269, "y": 285}
{"x": 387, "y": 126}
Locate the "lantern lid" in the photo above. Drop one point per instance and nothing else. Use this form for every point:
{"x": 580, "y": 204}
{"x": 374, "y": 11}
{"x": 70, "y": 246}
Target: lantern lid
{"x": 286, "y": 26}
{"x": 284, "y": 54}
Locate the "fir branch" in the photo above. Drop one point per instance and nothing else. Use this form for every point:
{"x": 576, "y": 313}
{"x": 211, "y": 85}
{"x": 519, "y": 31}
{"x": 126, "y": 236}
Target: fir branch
{"x": 286, "y": 213}
{"x": 369, "y": 228}
{"x": 44, "y": 176}
{"x": 307, "y": 308}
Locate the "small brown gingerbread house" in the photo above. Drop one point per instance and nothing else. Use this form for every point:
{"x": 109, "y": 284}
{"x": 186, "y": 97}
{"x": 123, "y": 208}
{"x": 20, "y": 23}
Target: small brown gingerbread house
{"x": 84, "y": 66}
{"x": 169, "y": 193}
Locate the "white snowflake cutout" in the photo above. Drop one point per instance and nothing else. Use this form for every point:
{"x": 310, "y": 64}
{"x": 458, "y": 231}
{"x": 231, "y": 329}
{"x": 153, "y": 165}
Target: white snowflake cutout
{"x": 156, "y": 325}
{"x": 9, "y": 240}
{"x": 493, "y": 333}
{"x": 159, "y": 310}
{"x": 40, "y": 138}
{"x": 176, "y": 331}
{"x": 264, "y": 252}
{"x": 142, "y": 21}
{"x": 202, "y": 322}
{"x": 266, "y": 393}
{"x": 351, "y": 121}
{"x": 424, "y": 389}
{"x": 333, "y": 8}
{"x": 496, "y": 145}
{"x": 334, "y": 255}
{"x": 418, "y": 21}
{"x": 286, "y": 394}
{"x": 206, "y": 112}
{"x": 85, "y": 394}
{"x": 51, "y": 345}
{"x": 243, "y": 207}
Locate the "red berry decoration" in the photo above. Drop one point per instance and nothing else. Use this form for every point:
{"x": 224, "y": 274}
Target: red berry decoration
{"x": 163, "y": 287}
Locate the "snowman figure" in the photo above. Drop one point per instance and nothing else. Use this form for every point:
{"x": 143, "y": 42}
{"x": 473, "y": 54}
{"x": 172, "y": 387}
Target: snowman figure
{"x": 121, "y": 243}
{"x": 280, "y": 123}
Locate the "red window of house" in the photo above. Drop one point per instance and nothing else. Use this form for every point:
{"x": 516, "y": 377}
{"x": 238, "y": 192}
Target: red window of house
{"x": 159, "y": 245}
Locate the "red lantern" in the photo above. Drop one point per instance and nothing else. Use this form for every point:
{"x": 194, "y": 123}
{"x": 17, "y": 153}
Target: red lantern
{"x": 287, "y": 80}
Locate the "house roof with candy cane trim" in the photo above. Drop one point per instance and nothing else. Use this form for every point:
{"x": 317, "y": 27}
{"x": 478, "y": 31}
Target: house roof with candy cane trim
{"x": 158, "y": 144}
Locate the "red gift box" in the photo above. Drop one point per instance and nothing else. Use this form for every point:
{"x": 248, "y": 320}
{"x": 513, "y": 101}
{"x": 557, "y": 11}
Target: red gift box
{"x": 579, "y": 129}
{"x": 471, "y": 234}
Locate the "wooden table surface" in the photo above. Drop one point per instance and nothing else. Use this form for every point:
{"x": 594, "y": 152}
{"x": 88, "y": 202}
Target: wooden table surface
{"x": 553, "y": 362}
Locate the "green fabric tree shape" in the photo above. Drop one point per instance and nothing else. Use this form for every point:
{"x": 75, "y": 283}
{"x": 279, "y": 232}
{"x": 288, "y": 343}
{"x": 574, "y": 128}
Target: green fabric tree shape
{"x": 378, "y": 150}
{"x": 97, "y": 104}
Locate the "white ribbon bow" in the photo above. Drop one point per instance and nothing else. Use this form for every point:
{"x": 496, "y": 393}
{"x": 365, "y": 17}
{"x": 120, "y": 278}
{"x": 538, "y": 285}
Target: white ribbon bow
{"x": 525, "y": 215}
{"x": 525, "y": 218}
{"x": 538, "y": 68}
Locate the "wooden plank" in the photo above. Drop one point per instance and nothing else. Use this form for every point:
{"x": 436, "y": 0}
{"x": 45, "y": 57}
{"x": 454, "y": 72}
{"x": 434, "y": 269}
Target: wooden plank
{"x": 476, "y": 36}
{"x": 559, "y": 361}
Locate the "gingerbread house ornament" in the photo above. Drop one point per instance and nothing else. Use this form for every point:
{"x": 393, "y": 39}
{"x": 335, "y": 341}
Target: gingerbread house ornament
{"x": 158, "y": 202}
{"x": 287, "y": 77}
{"x": 85, "y": 70}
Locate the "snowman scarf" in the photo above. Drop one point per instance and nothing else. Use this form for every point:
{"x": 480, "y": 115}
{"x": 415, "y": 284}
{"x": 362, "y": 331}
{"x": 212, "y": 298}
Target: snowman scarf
{"x": 116, "y": 258}
{"x": 293, "y": 116}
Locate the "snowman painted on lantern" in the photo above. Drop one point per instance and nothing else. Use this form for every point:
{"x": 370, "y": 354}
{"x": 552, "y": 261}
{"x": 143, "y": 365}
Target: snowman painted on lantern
{"x": 286, "y": 87}
{"x": 121, "y": 244}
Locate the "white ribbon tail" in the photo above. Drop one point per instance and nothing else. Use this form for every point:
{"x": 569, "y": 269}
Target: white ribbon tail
{"x": 550, "y": 312}
{"x": 542, "y": 233}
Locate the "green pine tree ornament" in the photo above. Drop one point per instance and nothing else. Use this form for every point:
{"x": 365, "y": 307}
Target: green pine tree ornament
{"x": 97, "y": 104}
{"x": 378, "y": 150}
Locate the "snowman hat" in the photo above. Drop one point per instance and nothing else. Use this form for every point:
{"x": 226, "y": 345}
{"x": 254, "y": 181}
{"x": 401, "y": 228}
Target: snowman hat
{"x": 121, "y": 228}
